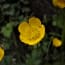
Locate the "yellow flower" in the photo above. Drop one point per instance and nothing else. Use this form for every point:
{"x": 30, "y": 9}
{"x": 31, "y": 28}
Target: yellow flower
{"x": 59, "y": 3}
{"x": 1, "y": 53}
{"x": 32, "y": 32}
{"x": 57, "y": 42}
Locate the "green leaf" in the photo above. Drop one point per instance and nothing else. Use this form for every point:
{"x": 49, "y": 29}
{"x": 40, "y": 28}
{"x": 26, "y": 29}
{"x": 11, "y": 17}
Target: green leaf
{"x": 58, "y": 21}
{"x": 7, "y": 30}
{"x": 34, "y": 58}
{"x": 7, "y": 60}
{"x": 45, "y": 46}
{"x": 7, "y": 45}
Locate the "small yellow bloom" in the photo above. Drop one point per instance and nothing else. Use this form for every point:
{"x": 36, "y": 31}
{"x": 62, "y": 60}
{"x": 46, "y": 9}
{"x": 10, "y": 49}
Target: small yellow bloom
{"x": 1, "y": 53}
{"x": 32, "y": 32}
{"x": 59, "y": 3}
{"x": 57, "y": 42}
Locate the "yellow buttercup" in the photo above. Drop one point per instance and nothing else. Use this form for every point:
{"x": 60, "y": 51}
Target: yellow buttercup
{"x": 31, "y": 32}
{"x": 1, "y": 53}
{"x": 59, "y": 3}
{"x": 57, "y": 42}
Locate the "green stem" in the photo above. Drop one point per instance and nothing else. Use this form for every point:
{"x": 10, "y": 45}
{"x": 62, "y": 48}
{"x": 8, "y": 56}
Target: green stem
{"x": 17, "y": 51}
{"x": 63, "y": 30}
{"x": 63, "y": 34}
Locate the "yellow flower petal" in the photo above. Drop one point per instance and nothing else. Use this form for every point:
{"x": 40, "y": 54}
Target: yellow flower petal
{"x": 1, "y": 53}
{"x": 33, "y": 21}
{"x": 59, "y": 3}
{"x": 57, "y": 42}
{"x": 23, "y": 27}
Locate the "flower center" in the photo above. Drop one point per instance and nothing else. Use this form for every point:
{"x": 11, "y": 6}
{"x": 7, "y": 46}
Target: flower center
{"x": 34, "y": 34}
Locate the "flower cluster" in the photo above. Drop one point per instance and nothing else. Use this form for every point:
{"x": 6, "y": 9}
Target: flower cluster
{"x": 33, "y": 32}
